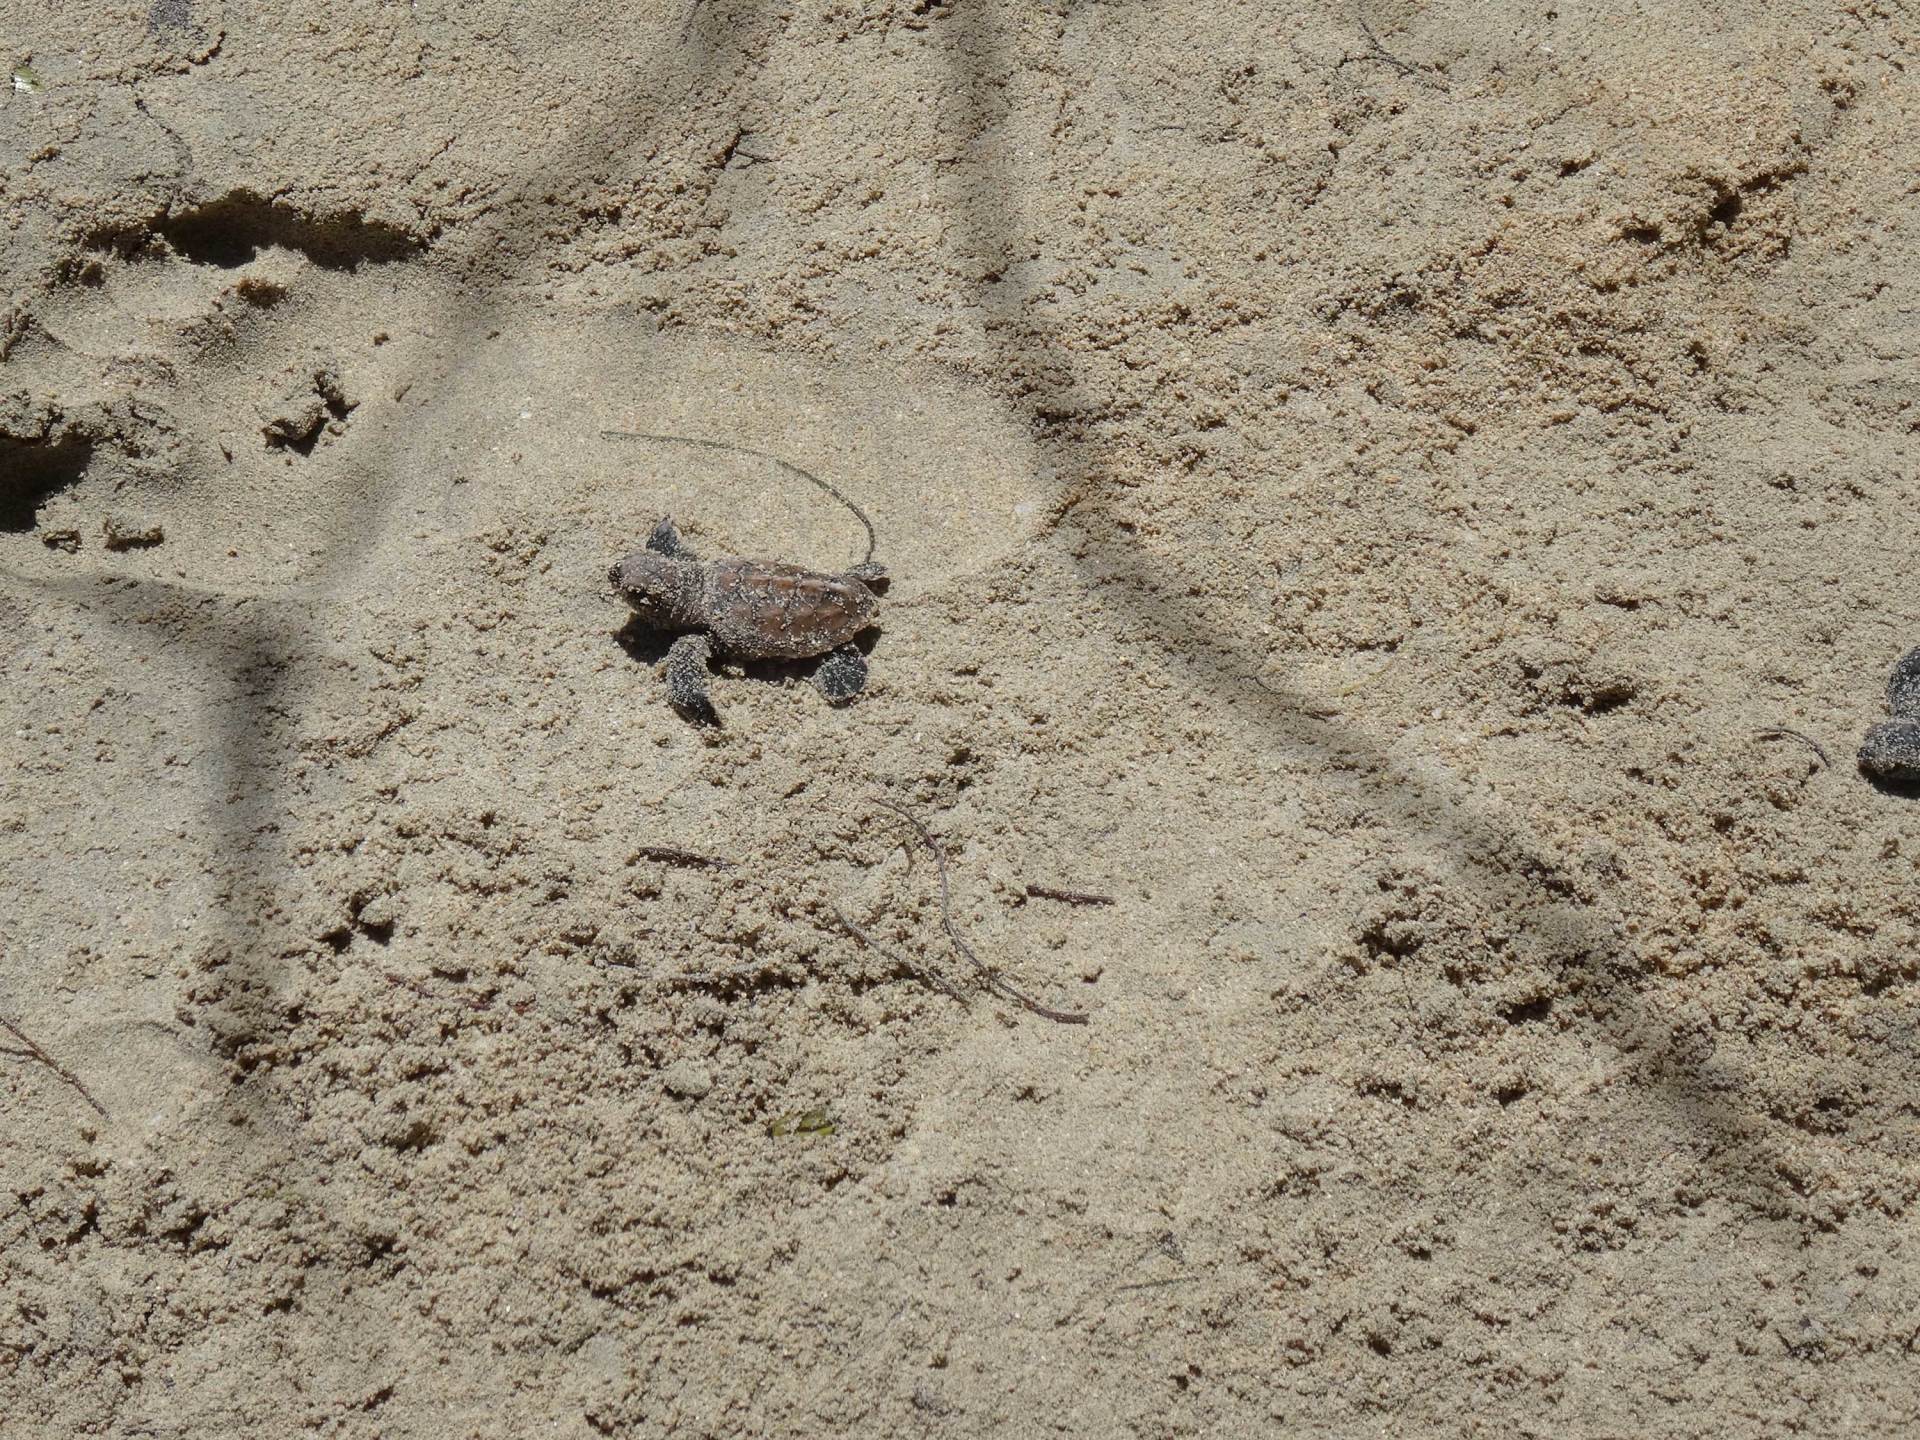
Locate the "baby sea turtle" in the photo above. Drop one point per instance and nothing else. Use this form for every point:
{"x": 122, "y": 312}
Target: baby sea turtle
{"x": 1891, "y": 750}
{"x": 748, "y": 610}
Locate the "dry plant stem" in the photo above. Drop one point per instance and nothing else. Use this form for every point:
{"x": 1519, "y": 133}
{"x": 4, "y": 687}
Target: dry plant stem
{"x": 1412, "y": 72}
{"x": 924, "y": 976}
{"x": 1780, "y": 732}
{"x": 992, "y": 978}
{"x": 1068, "y": 897}
{"x": 667, "y": 855}
{"x": 1155, "y": 1284}
{"x": 53, "y": 1065}
{"x": 472, "y": 1002}
{"x": 1385, "y": 54}
{"x": 785, "y": 465}
{"x": 759, "y": 969}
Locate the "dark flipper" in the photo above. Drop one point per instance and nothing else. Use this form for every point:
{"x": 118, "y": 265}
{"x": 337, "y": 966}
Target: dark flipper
{"x": 842, "y": 675}
{"x": 1903, "y": 690}
{"x": 870, "y": 573}
{"x": 687, "y": 661}
{"x": 1891, "y": 752}
{"x": 665, "y": 540}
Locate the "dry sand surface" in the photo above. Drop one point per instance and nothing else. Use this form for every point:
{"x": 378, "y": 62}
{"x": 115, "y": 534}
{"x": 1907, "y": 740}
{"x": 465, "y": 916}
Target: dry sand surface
{"x": 1417, "y": 503}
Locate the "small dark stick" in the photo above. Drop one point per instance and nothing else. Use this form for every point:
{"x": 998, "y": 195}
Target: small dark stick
{"x": 54, "y": 1065}
{"x": 1068, "y": 897}
{"x": 1780, "y": 732}
{"x": 667, "y": 855}
{"x": 1411, "y": 71}
{"x": 472, "y": 1002}
{"x": 1155, "y": 1284}
{"x": 924, "y": 976}
{"x": 992, "y": 978}
{"x": 1385, "y": 54}
{"x": 786, "y": 465}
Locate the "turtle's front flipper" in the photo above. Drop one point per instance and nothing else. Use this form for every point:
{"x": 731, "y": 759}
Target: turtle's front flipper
{"x": 665, "y": 540}
{"x": 687, "y": 661}
{"x": 842, "y": 675}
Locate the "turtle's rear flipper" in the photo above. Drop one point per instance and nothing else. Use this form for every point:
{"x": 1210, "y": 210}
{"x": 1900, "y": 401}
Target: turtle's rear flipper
{"x": 842, "y": 675}
{"x": 870, "y": 573}
{"x": 687, "y": 661}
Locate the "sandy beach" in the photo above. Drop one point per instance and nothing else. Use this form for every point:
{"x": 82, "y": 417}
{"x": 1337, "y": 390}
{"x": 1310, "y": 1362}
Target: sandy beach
{"x": 1399, "y": 516}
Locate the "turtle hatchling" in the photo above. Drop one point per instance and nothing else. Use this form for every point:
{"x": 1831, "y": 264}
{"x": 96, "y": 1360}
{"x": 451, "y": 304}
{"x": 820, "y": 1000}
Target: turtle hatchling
{"x": 748, "y": 610}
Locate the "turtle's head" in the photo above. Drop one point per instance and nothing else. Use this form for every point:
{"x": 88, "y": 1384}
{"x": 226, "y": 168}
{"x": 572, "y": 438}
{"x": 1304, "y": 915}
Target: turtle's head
{"x": 663, "y": 590}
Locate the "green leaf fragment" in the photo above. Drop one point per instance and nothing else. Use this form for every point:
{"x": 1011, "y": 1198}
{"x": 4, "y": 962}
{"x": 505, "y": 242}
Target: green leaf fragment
{"x": 803, "y": 1122}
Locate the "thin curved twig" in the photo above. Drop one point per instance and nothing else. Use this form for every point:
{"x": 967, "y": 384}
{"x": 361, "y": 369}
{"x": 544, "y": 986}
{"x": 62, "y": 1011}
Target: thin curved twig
{"x": 786, "y": 465}
{"x": 989, "y": 976}
{"x": 917, "y": 971}
{"x": 52, "y": 1064}
{"x": 1781, "y": 732}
